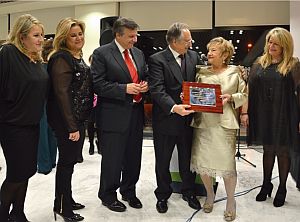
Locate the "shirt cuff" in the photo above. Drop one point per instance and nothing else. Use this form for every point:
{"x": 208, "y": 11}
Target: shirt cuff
{"x": 172, "y": 110}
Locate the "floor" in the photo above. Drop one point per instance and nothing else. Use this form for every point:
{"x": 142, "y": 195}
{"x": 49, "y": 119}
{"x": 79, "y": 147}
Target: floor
{"x": 39, "y": 200}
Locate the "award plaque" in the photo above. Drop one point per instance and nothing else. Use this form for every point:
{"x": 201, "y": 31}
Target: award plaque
{"x": 202, "y": 97}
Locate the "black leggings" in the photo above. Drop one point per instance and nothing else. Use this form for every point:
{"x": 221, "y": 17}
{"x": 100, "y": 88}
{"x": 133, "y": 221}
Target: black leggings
{"x": 67, "y": 158}
{"x": 19, "y": 144}
{"x": 284, "y": 163}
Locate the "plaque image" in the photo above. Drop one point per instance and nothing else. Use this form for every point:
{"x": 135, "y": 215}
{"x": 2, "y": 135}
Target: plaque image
{"x": 202, "y": 97}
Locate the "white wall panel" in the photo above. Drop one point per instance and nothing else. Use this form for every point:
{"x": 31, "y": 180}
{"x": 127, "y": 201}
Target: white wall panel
{"x": 3, "y": 26}
{"x": 49, "y": 17}
{"x": 159, "y": 15}
{"x": 251, "y": 13}
{"x": 295, "y": 26}
{"x": 91, "y": 15}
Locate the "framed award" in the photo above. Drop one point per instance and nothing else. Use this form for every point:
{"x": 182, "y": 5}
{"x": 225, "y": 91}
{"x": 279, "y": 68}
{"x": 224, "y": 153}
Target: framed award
{"x": 202, "y": 97}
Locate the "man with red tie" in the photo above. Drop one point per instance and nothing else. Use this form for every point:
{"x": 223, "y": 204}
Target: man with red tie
{"x": 119, "y": 72}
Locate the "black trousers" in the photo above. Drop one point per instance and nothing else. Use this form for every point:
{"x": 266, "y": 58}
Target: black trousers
{"x": 164, "y": 146}
{"x": 121, "y": 158}
{"x": 67, "y": 158}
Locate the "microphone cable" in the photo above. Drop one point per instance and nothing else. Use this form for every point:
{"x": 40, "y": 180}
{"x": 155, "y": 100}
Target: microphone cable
{"x": 238, "y": 194}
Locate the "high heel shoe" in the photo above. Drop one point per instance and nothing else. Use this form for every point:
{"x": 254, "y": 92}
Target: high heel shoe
{"x": 266, "y": 190}
{"x": 279, "y": 197}
{"x": 73, "y": 218}
{"x": 230, "y": 215}
{"x": 208, "y": 207}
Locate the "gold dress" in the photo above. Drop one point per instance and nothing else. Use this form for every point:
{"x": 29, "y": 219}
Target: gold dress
{"x": 214, "y": 139}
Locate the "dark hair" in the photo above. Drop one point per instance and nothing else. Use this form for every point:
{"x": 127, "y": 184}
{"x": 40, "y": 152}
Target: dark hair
{"x": 121, "y": 23}
{"x": 47, "y": 48}
{"x": 175, "y": 31}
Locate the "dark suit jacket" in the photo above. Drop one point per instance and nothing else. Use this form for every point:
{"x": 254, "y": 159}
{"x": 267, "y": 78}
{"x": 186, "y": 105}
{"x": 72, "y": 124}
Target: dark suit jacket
{"x": 165, "y": 82}
{"x": 110, "y": 76}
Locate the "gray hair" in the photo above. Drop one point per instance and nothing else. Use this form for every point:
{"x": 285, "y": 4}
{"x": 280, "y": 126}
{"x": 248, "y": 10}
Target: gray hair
{"x": 175, "y": 31}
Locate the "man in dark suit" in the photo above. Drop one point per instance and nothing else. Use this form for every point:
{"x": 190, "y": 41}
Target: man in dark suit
{"x": 119, "y": 71}
{"x": 167, "y": 71}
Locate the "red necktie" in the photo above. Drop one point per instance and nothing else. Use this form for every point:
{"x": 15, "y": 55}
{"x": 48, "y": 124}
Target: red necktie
{"x": 133, "y": 73}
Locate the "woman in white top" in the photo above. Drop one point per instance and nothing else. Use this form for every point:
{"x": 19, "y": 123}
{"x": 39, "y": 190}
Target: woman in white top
{"x": 213, "y": 149}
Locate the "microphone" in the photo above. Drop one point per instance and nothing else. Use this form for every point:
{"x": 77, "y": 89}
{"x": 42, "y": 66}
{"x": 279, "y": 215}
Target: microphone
{"x": 204, "y": 58}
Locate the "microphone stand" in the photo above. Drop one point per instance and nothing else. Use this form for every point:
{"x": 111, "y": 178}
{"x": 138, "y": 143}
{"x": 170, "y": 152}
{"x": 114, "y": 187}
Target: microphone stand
{"x": 238, "y": 153}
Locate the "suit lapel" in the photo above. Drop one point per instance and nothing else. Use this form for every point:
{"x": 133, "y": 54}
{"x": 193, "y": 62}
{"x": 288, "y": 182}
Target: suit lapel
{"x": 174, "y": 66}
{"x": 136, "y": 61}
{"x": 119, "y": 59}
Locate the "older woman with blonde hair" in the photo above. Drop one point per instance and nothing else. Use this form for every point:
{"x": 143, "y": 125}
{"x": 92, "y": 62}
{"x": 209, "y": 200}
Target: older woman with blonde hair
{"x": 23, "y": 88}
{"x": 273, "y": 112}
{"x": 69, "y": 105}
{"x": 213, "y": 149}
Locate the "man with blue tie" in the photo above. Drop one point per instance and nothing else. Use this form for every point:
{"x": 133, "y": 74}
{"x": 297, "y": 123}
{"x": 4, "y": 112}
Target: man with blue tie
{"x": 119, "y": 72}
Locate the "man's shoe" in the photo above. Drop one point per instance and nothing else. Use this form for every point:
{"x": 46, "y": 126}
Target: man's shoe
{"x": 133, "y": 202}
{"x": 77, "y": 206}
{"x": 162, "y": 206}
{"x": 192, "y": 201}
{"x": 116, "y": 206}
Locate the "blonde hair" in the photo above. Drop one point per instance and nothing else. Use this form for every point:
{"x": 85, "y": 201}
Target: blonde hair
{"x": 20, "y": 29}
{"x": 285, "y": 40}
{"x": 225, "y": 46}
{"x": 62, "y": 31}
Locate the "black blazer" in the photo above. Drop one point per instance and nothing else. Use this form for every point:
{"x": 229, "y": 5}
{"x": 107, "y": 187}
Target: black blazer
{"x": 110, "y": 76}
{"x": 165, "y": 82}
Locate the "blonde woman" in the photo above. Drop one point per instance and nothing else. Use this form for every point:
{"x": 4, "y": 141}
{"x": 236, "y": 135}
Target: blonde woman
{"x": 23, "y": 88}
{"x": 69, "y": 105}
{"x": 213, "y": 149}
{"x": 273, "y": 113}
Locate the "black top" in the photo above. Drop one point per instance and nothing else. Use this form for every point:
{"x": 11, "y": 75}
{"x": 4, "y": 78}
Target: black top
{"x": 274, "y": 107}
{"x": 23, "y": 87}
{"x": 71, "y": 94}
